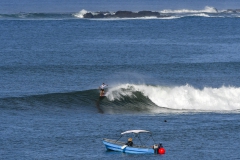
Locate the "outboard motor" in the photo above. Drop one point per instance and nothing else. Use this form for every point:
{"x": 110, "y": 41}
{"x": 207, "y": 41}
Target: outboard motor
{"x": 155, "y": 147}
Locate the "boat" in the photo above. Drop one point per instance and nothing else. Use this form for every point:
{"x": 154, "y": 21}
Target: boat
{"x": 142, "y": 148}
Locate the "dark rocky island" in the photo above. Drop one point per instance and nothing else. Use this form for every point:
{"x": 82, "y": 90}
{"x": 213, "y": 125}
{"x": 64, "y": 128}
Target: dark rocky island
{"x": 124, "y": 14}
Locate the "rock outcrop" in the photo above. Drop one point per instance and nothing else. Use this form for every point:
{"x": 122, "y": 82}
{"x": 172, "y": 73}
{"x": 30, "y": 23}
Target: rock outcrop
{"x": 123, "y": 14}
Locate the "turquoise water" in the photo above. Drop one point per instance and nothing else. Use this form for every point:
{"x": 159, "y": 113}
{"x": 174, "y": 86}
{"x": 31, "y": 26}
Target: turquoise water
{"x": 183, "y": 69}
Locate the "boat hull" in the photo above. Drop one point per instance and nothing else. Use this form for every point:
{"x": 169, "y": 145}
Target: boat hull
{"x": 118, "y": 146}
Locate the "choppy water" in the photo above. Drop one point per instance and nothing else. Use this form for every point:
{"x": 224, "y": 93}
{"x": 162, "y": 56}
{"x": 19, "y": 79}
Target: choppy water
{"x": 183, "y": 69}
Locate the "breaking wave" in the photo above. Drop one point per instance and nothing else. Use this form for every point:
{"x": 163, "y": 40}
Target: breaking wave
{"x": 207, "y": 9}
{"x": 135, "y": 98}
{"x": 182, "y": 97}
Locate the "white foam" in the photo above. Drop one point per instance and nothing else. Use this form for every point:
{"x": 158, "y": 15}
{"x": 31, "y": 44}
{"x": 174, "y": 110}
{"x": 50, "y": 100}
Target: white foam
{"x": 172, "y": 17}
{"x": 183, "y": 97}
{"x": 207, "y": 9}
{"x": 80, "y": 14}
{"x": 117, "y": 92}
{"x": 200, "y": 15}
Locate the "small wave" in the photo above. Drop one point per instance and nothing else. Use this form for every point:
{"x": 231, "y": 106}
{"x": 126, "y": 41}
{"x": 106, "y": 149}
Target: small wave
{"x": 172, "y": 17}
{"x": 200, "y": 15}
{"x": 207, "y": 9}
{"x": 80, "y": 14}
{"x": 119, "y": 19}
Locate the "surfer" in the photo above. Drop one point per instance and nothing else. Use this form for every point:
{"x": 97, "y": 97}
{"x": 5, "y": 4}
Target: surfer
{"x": 102, "y": 89}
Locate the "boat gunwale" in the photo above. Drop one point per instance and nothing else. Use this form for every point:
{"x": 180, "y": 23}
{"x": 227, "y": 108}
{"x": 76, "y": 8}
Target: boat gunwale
{"x": 120, "y": 143}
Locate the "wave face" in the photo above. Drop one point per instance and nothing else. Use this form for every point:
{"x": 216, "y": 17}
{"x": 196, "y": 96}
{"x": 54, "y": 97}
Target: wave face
{"x": 164, "y": 14}
{"x": 133, "y": 98}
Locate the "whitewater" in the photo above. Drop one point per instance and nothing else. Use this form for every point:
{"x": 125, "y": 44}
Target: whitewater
{"x": 182, "y": 97}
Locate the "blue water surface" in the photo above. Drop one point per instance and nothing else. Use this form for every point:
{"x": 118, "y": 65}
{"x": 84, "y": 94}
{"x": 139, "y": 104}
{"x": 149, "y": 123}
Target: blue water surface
{"x": 52, "y": 64}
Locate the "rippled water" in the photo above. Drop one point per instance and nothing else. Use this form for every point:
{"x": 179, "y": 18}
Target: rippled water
{"x": 183, "y": 70}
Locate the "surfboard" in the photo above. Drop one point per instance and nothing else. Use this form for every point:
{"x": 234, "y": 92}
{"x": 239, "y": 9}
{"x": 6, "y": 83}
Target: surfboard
{"x": 103, "y": 95}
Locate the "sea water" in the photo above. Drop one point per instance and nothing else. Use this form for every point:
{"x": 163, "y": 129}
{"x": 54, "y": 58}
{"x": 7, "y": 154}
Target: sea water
{"x": 176, "y": 76}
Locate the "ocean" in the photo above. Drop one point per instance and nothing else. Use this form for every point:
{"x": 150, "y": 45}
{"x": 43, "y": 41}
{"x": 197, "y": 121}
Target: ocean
{"x": 176, "y": 76}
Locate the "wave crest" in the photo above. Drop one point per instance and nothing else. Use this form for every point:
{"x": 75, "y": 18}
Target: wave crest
{"x": 207, "y": 9}
{"x": 81, "y": 13}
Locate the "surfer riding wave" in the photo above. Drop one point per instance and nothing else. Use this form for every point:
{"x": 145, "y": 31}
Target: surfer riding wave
{"x": 102, "y": 89}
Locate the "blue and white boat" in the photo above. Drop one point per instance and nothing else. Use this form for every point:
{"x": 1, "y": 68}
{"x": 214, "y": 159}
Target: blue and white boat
{"x": 117, "y": 145}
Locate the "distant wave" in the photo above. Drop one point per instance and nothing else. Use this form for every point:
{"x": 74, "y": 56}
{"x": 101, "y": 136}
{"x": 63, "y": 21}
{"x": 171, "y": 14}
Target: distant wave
{"x": 136, "y": 98}
{"x": 207, "y": 9}
{"x": 164, "y": 14}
